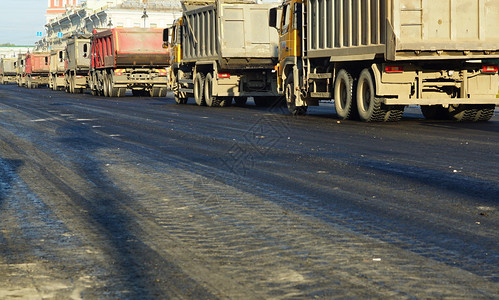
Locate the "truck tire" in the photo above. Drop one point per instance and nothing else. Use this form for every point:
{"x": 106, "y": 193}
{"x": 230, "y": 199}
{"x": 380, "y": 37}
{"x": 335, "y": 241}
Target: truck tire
{"x": 291, "y": 98}
{"x": 199, "y": 89}
{"x": 154, "y": 92}
{"x": 105, "y": 85}
{"x": 212, "y": 101}
{"x": 369, "y": 107}
{"x": 462, "y": 112}
{"x": 484, "y": 112}
{"x": 343, "y": 95}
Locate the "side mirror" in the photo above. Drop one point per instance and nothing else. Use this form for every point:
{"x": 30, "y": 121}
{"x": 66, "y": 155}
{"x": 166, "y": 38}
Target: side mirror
{"x": 273, "y": 17}
{"x": 166, "y": 35}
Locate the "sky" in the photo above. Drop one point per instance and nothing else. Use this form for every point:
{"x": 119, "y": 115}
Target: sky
{"x": 20, "y": 20}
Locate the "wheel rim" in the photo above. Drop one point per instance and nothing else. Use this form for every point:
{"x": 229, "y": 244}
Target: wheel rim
{"x": 343, "y": 94}
{"x": 365, "y": 94}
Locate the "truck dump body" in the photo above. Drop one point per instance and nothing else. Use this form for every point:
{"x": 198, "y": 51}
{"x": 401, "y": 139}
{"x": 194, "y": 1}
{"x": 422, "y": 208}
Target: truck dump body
{"x": 56, "y": 61}
{"x": 8, "y": 66}
{"x": 8, "y": 70}
{"x": 78, "y": 54}
{"x": 129, "y": 47}
{"x": 229, "y": 31}
{"x": 37, "y": 63}
{"x": 402, "y": 29}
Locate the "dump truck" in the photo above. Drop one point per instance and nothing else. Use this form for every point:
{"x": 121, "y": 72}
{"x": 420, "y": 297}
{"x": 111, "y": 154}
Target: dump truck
{"x": 376, "y": 57}
{"x": 8, "y": 70}
{"x": 77, "y": 63}
{"x": 128, "y": 58}
{"x": 21, "y": 69}
{"x": 37, "y": 69}
{"x": 56, "y": 74}
{"x": 222, "y": 51}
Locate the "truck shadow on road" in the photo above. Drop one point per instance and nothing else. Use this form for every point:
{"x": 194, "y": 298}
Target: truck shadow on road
{"x": 134, "y": 270}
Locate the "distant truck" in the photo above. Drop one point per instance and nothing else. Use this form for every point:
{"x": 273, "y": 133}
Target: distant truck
{"x": 37, "y": 69}
{"x": 21, "y": 69}
{"x": 375, "y": 57}
{"x": 128, "y": 58}
{"x": 8, "y": 70}
{"x": 56, "y": 74}
{"x": 221, "y": 51}
{"x": 77, "y": 64}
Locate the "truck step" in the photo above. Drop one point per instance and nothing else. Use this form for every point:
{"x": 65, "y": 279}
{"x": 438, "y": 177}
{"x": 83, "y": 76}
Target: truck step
{"x": 186, "y": 90}
{"x": 320, "y": 75}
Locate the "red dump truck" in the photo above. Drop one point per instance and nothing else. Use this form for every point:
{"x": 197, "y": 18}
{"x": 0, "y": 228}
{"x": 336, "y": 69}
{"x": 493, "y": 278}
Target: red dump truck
{"x": 128, "y": 58}
{"x": 37, "y": 69}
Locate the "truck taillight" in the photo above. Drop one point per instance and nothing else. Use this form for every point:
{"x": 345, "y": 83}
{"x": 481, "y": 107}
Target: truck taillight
{"x": 223, "y": 75}
{"x": 162, "y": 72}
{"x": 118, "y": 72}
{"x": 394, "y": 69}
{"x": 489, "y": 69}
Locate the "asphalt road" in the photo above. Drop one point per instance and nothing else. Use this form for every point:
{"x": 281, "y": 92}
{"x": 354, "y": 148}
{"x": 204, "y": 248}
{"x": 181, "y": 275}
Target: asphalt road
{"x": 140, "y": 198}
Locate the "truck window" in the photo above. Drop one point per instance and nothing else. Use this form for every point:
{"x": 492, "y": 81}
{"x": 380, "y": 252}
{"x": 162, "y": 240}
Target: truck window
{"x": 85, "y": 50}
{"x": 285, "y": 19}
{"x": 46, "y": 60}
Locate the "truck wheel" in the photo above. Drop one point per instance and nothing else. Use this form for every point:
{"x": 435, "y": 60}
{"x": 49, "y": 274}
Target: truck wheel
{"x": 370, "y": 107}
{"x": 343, "y": 95}
{"x": 484, "y": 112}
{"x": 291, "y": 98}
{"x": 462, "y": 112}
{"x": 154, "y": 92}
{"x": 105, "y": 85}
{"x": 199, "y": 89}
{"x": 212, "y": 101}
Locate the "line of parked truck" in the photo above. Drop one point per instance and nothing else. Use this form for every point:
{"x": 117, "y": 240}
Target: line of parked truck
{"x": 372, "y": 58}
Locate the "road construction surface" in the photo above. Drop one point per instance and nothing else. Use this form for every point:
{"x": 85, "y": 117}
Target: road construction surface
{"x": 141, "y": 198}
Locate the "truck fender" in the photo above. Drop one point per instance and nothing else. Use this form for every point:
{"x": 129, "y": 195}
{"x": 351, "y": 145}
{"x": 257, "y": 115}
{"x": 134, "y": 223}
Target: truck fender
{"x": 376, "y": 70}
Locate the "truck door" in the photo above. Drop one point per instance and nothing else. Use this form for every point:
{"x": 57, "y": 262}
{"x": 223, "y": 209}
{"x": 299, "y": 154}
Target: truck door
{"x": 289, "y": 34}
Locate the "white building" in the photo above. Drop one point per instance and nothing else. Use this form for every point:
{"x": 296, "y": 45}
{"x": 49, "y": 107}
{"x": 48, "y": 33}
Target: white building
{"x": 13, "y": 51}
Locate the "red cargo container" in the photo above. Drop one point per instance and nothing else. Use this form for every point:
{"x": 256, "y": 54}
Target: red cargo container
{"x": 129, "y": 58}
{"x": 37, "y": 69}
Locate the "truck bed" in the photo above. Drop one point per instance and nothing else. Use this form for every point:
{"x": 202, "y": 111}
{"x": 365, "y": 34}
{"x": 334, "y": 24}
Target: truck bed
{"x": 38, "y": 63}
{"x": 229, "y": 31}
{"x": 129, "y": 47}
{"x": 403, "y": 29}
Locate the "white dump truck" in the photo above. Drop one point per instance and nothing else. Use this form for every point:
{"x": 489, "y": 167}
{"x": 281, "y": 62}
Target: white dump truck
{"x": 221, "y": 51}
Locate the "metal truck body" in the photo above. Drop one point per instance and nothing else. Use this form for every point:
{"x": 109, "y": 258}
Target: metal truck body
{"x": 77, "y": 63}
{"x": 8, "y": 70}
{"x": 21, "y": 69}
{"x": 375, "y": 57}
{"x": 223, "y": 51}
{"x": 128, "y": 58}
{"x": 56, "y": 77}
{"x": 37, "y": 69}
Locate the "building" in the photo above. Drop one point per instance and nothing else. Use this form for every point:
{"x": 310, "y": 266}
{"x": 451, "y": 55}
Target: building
{"x": 93, "y": 14}
{"x": 13, "y": 51}
{"x": 56, "y": 8}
